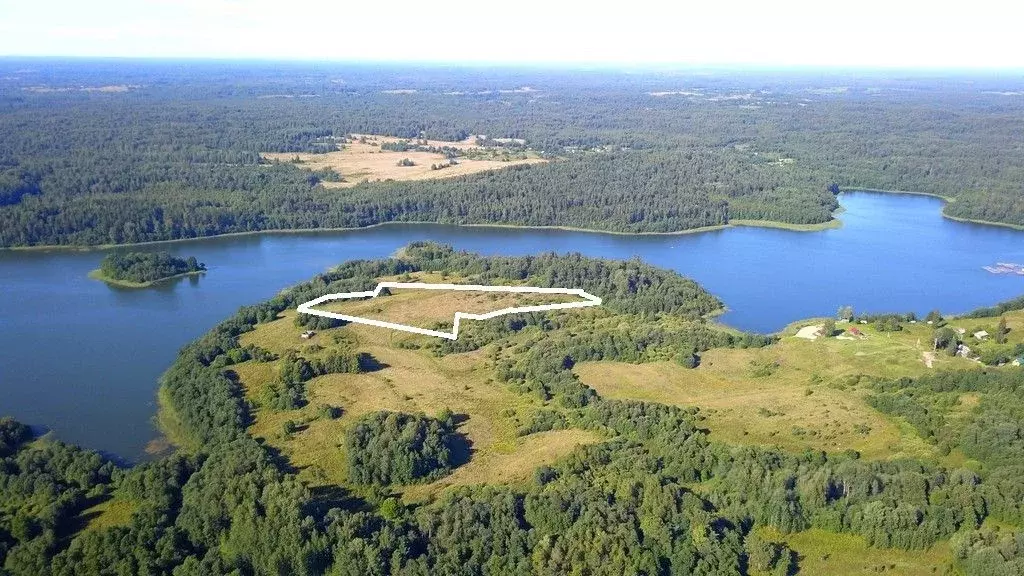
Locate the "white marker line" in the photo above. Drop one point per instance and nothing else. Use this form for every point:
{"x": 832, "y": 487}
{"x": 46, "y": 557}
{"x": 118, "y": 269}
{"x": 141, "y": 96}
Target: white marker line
{"x": 590, "y": 300}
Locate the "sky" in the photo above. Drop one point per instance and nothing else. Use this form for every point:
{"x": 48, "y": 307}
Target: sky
{"x": 863, "y": 33}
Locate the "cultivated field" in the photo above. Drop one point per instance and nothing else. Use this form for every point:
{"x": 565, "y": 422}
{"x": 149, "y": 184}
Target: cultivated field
{"x": 360, "y": 162}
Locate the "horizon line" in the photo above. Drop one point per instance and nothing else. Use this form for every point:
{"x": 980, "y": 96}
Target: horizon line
{"x": 656, "y": 65}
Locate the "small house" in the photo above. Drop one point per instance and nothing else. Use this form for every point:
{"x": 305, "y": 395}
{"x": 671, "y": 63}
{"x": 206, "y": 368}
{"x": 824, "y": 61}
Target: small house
{"x": 856, "y": 332}
{"x": 963, "y": 350}
{"x": 980, "y": 335}
{"x": 307, "y": 334}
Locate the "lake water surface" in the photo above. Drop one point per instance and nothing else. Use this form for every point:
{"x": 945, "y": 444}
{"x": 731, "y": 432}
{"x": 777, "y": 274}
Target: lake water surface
{"x": 83, "y": 358}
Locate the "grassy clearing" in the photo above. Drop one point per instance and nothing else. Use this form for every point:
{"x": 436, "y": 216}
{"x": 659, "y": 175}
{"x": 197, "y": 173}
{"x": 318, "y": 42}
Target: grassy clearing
{"x": 823, "y": 552}
{"x": 412, "y": 381}
{"x": 361, "y": 162}
{"x": 1014, "y": 321}
{"x": 742, "y": 410}
{"x": 109, "y": 513}
{"x": 424, "y": 308}
{"x": 796, "y": 394}
{"x": 509, "y": 463}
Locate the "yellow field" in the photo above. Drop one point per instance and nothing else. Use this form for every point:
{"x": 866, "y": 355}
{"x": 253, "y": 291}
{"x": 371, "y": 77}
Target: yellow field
{"x": 411, "y": 381}
{"x": 361, "y": 162}
{"x": 511, "y": 463}
{"x": 810, "y": 397}
{"x": 423, "y": 308}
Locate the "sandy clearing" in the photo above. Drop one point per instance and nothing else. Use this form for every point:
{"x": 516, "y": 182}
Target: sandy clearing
{"x": 362, "y": 162}
{"x": 810, "y": 332}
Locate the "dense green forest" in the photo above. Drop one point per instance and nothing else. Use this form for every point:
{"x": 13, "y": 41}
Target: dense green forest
{"x": 146, "y": 267}
{"x": 657, "y": 496}
{"x": 174, "y": 152}
{"x": 393, "y": 448}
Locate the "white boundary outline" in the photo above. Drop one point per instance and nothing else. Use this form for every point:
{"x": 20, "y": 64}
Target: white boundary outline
{"x": 589, "y": 300}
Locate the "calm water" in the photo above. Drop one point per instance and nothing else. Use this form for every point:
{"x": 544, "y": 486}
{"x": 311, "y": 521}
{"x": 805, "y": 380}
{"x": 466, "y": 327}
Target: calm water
{"x": 83, "y": 358}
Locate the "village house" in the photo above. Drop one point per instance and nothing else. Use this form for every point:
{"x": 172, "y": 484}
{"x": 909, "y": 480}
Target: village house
{"x": 981, "y": 335}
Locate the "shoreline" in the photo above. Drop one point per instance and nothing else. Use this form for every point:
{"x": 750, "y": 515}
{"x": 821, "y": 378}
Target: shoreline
{"x": 98, "y": 275}
{"x": 947, "y": 199}
{"x": 984, "y": 222}
{"x": 168, "y": 425}
{"x": 832, "y": 224}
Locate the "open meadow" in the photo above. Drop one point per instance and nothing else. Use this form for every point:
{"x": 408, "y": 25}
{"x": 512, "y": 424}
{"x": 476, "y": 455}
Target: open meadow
{"x": 363, "y": 160}
{"x": 796, "y": 394}
{"x": 426, "y": 308}
{"x": 411, "y": 379}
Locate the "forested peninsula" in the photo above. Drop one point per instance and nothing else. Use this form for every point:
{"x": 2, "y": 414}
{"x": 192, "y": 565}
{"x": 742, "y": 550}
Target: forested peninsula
{"x": 142, "y": 269}
{"x": 643, "y": 487}
{"x": 626, "y": 153}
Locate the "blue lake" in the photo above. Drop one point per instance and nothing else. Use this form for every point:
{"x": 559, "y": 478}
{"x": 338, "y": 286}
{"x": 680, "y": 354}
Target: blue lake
{"x": 83, "y": 359}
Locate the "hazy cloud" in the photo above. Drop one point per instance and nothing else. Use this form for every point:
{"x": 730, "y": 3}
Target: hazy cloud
{"x": 870, "y": 32}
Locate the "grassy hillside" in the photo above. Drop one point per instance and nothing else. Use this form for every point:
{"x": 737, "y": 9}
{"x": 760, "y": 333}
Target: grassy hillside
{"x": 796, "y": 394}
{"x": 413, "y": 380}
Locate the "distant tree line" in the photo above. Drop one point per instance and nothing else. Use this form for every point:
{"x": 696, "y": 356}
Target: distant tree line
{"x": 74, "y": 172}
{"x": 998, "y": 309}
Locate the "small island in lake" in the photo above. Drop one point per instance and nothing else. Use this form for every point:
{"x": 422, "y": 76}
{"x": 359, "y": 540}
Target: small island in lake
{"x": 142, "y": 269}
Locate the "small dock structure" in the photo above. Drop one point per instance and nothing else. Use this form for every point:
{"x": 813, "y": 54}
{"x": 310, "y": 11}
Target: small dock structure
{"x": 1005, "y": 268}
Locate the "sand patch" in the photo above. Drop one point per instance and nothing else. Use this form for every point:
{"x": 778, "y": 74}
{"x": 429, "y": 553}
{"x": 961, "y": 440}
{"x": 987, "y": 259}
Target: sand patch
{"x": 810, "y": 332}
{"x": 363, "y": 160}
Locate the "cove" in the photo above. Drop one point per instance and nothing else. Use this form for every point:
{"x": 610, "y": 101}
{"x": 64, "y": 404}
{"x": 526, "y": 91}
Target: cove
{"x": 83, "y": 358}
